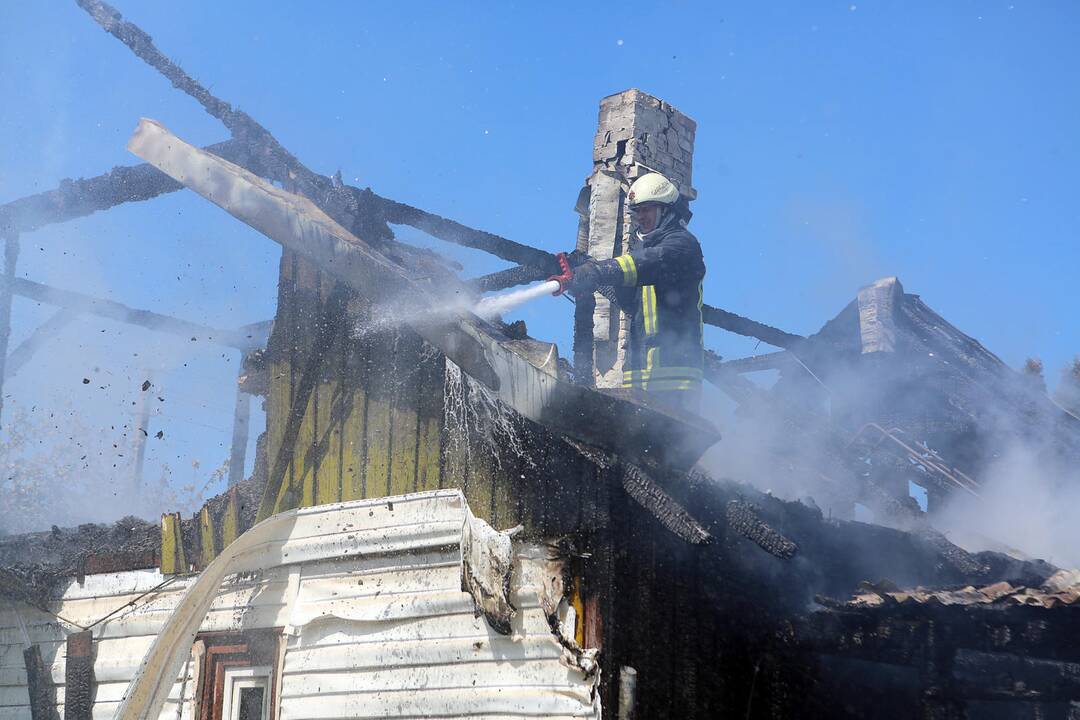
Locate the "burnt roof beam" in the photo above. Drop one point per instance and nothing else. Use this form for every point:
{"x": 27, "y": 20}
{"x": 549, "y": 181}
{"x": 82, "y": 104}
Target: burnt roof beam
{"x": 243, "y": 339}
{"x": 757, "y": 363}
{"x": 78, "y": 198}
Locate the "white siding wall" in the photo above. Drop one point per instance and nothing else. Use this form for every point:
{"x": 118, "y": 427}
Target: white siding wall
{"x": 386, "y": 633}
{"x": 121, "y": 641}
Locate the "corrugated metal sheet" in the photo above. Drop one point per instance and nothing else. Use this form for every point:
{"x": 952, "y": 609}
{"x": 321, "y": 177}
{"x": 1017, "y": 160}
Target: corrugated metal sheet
{"x": 1060, "y": 590}
{"x": 377, "y": 624}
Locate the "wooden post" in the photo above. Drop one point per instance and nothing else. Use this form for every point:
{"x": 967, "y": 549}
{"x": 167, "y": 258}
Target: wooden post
{"x": 79, "y": 676}
{"x": 141, "y": 433}
{"x": 39, "y": 685}
{"x": 241, "y": 421}
{"x": 637, "y": 134}
{"x": 11, "y": 256}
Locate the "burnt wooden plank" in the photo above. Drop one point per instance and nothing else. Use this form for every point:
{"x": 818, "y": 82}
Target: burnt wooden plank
{"x": 85, "y": 196}
{"x": 39, "y": 685}
{"x": 173, "y": 558}
{"x": 208, "y": 545}
{"x": 79, "y": 676}
{"x": 644, "y": 490}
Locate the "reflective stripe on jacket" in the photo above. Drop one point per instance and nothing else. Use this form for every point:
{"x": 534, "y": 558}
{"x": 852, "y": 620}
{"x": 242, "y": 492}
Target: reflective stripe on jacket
{"x": 661, "y": 288}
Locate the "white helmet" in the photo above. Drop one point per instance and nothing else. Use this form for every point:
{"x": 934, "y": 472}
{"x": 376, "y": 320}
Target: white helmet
{"x": 652, "y": 188}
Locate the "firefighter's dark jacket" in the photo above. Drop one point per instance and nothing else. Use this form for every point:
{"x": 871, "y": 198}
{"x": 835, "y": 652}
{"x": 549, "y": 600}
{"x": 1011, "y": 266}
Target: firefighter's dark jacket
{"x": 659, "y": 283}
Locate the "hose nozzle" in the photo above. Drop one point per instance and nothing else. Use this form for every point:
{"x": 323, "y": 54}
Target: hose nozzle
{"x": 565, "y": 276}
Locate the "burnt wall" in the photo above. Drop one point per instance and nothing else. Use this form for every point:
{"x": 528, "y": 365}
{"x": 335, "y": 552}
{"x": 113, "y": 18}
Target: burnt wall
{"x": 360, "y": 407}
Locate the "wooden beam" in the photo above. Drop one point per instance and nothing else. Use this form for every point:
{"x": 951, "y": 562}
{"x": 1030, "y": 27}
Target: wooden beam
{"x": 79, "y": 676}
{"x": 26, "y": 349}
{"x": 39, "y": 685}
{"x": 454, "y": 232}
{"x": 502, "y": 279}
{"x": 241, "y": 422}
{"x": 734, "y": 385}
{"x": 281, "y": 164}
{"x": 750, "y": 328}
{"x": 141, "y": 433}
{"x": 112, "y": 310}
{"x": 757, "y": 363}
{"x": 173, "y": 558}
{"x": 78, "y": 198}
{"x": 673, "y": 516}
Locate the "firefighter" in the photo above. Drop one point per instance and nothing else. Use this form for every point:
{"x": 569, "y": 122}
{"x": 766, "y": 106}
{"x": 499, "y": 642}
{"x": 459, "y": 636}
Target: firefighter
{"x": 659, "y": 284}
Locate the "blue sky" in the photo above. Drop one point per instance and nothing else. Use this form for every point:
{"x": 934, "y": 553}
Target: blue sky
{"x": 838, "y": 142}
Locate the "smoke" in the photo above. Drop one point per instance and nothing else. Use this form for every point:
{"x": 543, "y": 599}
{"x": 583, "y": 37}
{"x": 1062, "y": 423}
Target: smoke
{"x": 1028, "y": 507}
{"x": 798, "y": 439}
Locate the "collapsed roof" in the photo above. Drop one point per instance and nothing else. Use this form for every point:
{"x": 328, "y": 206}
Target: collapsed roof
{"x": 887, "y": 361}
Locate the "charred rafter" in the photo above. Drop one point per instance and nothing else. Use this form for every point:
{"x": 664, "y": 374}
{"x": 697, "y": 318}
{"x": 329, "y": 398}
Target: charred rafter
{"x": 744, "y": 519}
{"x": 112, "y": 310}
{"x": 78, "y": 198}
{"x": 662, "y": 506}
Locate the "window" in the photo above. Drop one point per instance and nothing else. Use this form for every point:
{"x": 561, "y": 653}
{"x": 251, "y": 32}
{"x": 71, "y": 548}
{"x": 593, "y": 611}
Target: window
{"x": 246, "y": 693}
{"x": 236, "y": 674}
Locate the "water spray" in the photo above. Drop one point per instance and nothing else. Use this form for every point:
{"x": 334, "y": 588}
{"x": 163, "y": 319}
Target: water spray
{"x": 496, "y": 305}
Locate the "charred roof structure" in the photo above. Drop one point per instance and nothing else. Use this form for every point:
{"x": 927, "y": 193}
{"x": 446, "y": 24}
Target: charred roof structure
{"x": 399, "y": 438}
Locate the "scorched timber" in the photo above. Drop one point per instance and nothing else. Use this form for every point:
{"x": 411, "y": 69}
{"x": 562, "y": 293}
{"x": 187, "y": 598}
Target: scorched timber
{"x": 477, "y": 347}
{"x": 85, "y": 196}
{"x": 119, "y": 312}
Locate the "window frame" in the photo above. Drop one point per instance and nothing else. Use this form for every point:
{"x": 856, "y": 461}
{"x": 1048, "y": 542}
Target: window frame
{"x": 230, "y": 656}
{"x": 238, "y": 677}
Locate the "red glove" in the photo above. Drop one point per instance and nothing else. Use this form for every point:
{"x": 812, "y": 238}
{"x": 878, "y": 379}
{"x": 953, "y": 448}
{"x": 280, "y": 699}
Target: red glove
{"x": 565, "y": 277}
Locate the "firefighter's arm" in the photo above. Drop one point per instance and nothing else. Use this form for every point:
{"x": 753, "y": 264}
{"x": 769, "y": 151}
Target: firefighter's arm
{"x": 590, "y": 275}
{"x": 678, "y": 256}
